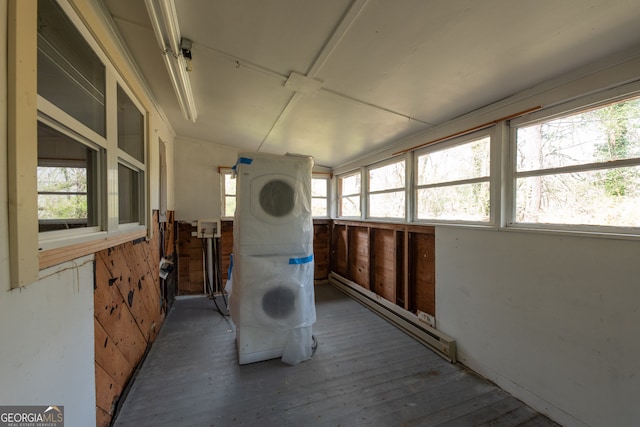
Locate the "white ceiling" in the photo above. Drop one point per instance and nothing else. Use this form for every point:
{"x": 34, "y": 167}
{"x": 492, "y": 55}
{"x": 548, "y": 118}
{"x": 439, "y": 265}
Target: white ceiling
{"x": 388, "y": 69}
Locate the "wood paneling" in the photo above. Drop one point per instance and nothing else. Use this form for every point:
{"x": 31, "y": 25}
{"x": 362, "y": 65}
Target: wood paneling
{"x": 395, "y": 261}
{"x": 321, "y": 250}
{"x": 339, "y": 250}
{"x": 359, "y": 256}
{"x": 190, "y": 260}
{"x": 128, "y": 310}
{"x": 226, "y": 248}
{"x": 422, "y": 272}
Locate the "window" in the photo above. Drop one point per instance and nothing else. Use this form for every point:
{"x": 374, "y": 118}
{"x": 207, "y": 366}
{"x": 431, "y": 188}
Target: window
{"x": 70, "y": 74}
{"x": 349, "y": 195}
{"x": 319, "y": 196}
{"x": 581, "y": 170}
{"x": 228, "y": 193}
{"x": 67, "y": 181}
{"x": 129, "y": 195}
{"x": 78, "y": 161}
{"x": 387, "y": 190}
{"x": 130, "y": 160}
{"x": 453, "y": 182}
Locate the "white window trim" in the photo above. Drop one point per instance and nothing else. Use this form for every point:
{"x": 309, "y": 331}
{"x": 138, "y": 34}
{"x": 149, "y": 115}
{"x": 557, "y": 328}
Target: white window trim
{"x": 28, "y": 252}
{"x": 327, "y": 179}
{"x": 591, "y": 101}
{"x": 493, "y": 179}
{"x": 223, "y": 171}
{"x": 368, "y": 193}
{"x": 340, "y": 195}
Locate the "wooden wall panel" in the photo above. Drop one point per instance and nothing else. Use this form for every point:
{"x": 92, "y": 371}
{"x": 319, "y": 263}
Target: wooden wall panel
{"x": 339, "y": 250}
{"x": 359, "y": 256}
{"x": 190, "y": 260}
{"x": 169, "y": 235}
{"x": 385, "y": 264}
{"x": 109, "y": 356}
{"x": 112, "y": 313}
{"x": 400, "y": 260}
{"x": 226, "y": 248}
{"x": 107, "y": 399}
{"x": 128, "y": 312}
{"x": 321, "y": 250}
{"x": 422, "y": 272}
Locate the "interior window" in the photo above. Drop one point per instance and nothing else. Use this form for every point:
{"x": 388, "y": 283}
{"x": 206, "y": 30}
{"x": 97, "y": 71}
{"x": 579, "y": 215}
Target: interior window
{"x": 67, "y": 196}
{"x": 387, "y": 190}
{"x": 130, "y": 127}
{"x": 70, "y": 74}
{"x": 319, "y": 196}
{"x": 229, "y": 193}
{"x": 129, "y": 195}
{"x": 582, "y": 169}
{"x": 453, "y": 183}
{"x": 349, "y": 195}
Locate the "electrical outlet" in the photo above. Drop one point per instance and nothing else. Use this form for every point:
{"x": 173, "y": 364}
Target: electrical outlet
{"x": 426, "y": 319}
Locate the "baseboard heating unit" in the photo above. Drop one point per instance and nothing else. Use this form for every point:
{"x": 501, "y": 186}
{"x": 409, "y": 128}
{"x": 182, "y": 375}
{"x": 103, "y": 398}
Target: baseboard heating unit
{"x": 437, "y": 341}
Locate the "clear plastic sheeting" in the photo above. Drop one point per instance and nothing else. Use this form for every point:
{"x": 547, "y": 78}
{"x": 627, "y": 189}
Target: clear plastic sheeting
{"x": 272, "y": 303}
{"x": 273, "y": 196}
{"x": 279, "y": 294}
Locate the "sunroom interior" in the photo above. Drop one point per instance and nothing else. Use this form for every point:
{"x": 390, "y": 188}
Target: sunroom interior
{"x": 476, "y": 176}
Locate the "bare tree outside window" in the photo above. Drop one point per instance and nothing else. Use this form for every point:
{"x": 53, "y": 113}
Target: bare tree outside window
{"x": 582, "y": 169}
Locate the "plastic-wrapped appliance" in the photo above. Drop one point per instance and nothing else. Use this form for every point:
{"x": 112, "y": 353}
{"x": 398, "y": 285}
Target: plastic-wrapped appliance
{"x": 272, "y": 297}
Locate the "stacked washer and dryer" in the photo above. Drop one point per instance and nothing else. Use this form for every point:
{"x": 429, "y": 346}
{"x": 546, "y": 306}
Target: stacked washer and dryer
{"x": 271, "y": 291}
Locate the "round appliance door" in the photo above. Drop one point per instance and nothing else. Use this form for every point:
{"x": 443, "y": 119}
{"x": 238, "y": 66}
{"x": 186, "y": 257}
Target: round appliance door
{"x": 275, "y": 198}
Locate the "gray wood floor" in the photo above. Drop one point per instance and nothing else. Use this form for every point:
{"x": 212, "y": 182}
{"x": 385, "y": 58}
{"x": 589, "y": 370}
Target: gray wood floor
{"x": 365, "y": 372}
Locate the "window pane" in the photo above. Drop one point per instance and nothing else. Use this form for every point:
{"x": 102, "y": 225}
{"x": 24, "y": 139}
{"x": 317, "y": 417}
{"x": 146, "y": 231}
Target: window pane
{"x": 128, "y": 194}
{"x": 350, "y": 185}
{"x": 387, "y": 177}
{"x": 599, "y": 135}
{"x": 229, "y": 185}
{"x": 319, "y": 206}
{"x": 466, "y": 161}
{"x": 387, "y": 205}
{"x": 466, "y": 202}
{"x": 130, "y": 127}
{"x": 70, "y": 74}
{"x": 607, "y": 197}
{"x": 319, "y": 187}
{"x": 350, "y": 206}
{"x": 229, "y": 206}
{"x": 67, "y": 189}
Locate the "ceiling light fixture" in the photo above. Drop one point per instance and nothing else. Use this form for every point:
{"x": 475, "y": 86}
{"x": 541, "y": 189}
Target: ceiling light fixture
{"x": 176, "y": 52}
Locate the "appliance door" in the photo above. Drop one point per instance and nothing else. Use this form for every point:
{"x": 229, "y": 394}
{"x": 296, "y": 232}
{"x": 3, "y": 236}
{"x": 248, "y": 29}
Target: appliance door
{"x": 274, "y": 215}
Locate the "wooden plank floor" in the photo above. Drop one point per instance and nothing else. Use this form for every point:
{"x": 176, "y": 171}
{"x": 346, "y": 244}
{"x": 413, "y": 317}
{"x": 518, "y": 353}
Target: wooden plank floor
{"x": 365, "y": 372}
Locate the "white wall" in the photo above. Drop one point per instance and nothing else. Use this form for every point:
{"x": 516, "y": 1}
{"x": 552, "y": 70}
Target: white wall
{"x": 197, "y": 181}
{"x": 47, "y": 350}
{"x": 555, "y": 320}
{"x": 46, "y": 328}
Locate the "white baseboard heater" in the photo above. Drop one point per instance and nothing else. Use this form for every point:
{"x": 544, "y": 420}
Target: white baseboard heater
{"x": 442, "y": 344}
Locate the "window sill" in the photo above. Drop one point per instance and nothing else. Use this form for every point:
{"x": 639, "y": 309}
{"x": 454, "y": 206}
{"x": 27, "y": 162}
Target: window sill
{"x": 52, "y": 252}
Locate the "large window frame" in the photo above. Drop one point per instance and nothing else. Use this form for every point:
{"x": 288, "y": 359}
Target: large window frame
{"x": 228, "y": 192}
{"x": 392, "y": 189}
{"x": 564, "y": 111}
{"x": 30, "y": 250}
{"x": 320, "y": 200}
{"x": 474, "y": 181}
{"x": 354, "y": 197}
